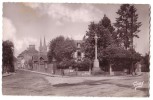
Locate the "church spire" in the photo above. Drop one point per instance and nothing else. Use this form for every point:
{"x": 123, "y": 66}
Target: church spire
{"x": 44, "y": 42}
{"x": 44, "y": 45}
{"x": 40, "y": 47}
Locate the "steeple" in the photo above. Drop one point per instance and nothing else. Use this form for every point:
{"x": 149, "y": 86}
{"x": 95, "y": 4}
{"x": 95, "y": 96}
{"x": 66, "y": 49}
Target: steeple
{"x": 45, "y": 46}
{"x": 44, "y": 42}
{"x": 40, "y": 47}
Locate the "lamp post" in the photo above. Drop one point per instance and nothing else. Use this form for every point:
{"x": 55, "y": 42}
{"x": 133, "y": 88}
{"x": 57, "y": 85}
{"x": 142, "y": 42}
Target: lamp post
{"x": 96, "y": 61}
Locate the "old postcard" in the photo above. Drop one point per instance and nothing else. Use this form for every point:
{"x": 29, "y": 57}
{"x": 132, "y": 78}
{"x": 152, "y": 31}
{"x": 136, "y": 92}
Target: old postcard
{"x": 76, "y": 49}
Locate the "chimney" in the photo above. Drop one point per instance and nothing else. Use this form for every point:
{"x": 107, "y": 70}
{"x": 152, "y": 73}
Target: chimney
{"x": 31, "y": 47}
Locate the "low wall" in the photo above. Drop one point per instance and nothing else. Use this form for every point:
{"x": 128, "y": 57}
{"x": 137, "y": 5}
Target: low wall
{"x": 51, "y": 69}
{"x": 71, "y": 72}
{"x": 48, "y": 68}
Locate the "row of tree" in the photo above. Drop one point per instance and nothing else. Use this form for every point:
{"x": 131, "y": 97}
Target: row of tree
{"x": 119, "y": 34}
{"x": 115, "y": 44}
{"x": 115, "y": 41}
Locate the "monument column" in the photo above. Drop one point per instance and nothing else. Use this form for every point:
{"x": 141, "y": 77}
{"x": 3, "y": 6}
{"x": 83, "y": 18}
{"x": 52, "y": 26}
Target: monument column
{"x": 96, "y": 68}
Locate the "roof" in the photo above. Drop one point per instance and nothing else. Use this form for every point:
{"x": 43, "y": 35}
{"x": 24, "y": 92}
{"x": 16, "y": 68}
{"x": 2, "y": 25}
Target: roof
{"x": 29, "y": 52}
{"x": 38, "y": 56}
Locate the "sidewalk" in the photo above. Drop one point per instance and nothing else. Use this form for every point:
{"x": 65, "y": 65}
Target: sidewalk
{"x": 6, "y": 74}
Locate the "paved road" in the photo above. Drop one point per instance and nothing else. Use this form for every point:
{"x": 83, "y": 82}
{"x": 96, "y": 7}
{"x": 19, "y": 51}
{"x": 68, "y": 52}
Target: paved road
{"x": 27, "y": 83}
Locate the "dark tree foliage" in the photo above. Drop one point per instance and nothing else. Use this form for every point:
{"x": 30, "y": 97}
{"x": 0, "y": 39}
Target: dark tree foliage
{"x": 127, "y": 25}
{"x": 104, "y": 31}
{"x": 89, "y": 41}
{"x": 8, "y": 56}
{"x": 84, "y": 65}
{"x": 109, "y": 49}
{"x": 146, "y": 62}
{"x": 61, "y": 48}
{"x": 106, "y": 22}
{"x": 66, "y": 63}
{"x": 120, "y": 57}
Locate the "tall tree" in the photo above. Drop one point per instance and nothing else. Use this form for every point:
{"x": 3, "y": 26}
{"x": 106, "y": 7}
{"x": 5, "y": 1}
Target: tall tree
{"x": 104, "y": 31}
{"x": 8, "y": 56}
{"x": 106, "y": 22}
{"x": 61, "y": 48}
{"x": 108, "y": 49}
{"x": 127, "y": 24}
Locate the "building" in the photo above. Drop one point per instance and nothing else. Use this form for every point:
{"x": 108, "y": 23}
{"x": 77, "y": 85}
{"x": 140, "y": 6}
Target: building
{"x": 37, "y": 60}
{"x": 78, "y": 55}
{"x": 31, "y": 57}
{"x": 41, "y": 57}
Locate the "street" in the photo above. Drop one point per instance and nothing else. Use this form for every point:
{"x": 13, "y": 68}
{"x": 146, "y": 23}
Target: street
{"x": 28, "y": 83}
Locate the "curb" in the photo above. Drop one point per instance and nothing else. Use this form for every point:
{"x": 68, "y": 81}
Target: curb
{"x": 51, "y": 75}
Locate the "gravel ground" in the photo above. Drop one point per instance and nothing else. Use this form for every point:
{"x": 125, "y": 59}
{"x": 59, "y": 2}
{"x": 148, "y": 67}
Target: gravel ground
{"x": 27, "y": 83}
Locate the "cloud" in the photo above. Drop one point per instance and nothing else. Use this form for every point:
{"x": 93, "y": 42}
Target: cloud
{"x": 63, "y": 12}
{"x": 84, "y": 13}
{"x": 9, "y": 33}
{"x": 33, "y": 5}
{"x": 59, "y": 23}
{"x": 78, "y": 37}
{"x": 9, "y": 30}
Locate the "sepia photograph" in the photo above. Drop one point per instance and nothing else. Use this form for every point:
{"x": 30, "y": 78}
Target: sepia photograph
{"x": 75, "y": 49}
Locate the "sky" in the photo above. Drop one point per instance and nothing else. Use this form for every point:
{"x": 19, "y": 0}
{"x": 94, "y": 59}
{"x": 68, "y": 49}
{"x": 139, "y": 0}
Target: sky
{"x": 27, "y": 23}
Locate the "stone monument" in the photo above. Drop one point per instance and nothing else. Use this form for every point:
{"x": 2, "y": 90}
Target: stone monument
{"x": 96, "y": 68}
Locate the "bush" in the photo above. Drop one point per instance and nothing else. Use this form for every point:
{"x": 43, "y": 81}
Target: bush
{"x": 81, "y": 66}
{"x": 66, "y": 63}
{"x": 85, "y": 65}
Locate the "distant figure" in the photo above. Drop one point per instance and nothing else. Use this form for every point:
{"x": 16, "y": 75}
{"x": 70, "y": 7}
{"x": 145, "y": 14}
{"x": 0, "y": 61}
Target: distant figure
{"x": 22, "y": 63}
{"x": 46, "y": 67}
{"x": 137, "y": 69}
{"x": 62, "y": 71}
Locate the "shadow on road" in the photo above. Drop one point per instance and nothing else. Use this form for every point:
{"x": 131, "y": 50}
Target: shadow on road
{"x": 101, "y": 82}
